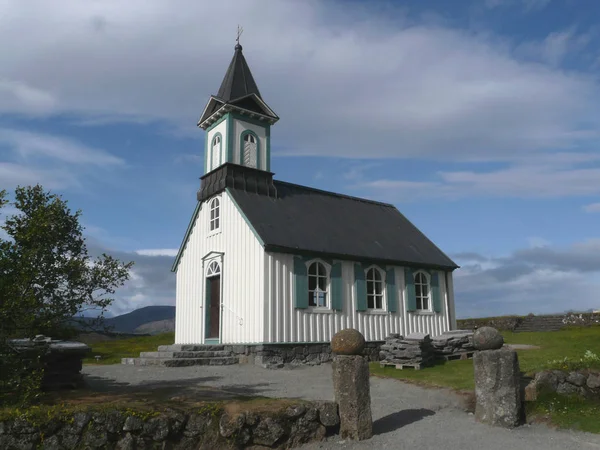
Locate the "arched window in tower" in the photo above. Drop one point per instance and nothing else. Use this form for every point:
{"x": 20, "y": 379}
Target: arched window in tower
{"x": 250, "y": 147}
{"x": 216, "y": 152}
{"x": 214, "y": 214}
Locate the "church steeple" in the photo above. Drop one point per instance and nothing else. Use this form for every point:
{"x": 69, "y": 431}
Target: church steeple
{"x": 237, "y": 120}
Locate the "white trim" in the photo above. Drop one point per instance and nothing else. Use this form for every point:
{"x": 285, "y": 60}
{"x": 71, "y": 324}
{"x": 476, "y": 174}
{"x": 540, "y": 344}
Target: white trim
{"x": 217, "y": 218}
{"x": 212, "y": 98}
{"x": 320, "y": 309}
{"x": 429, "y": 309}
{"x": 382, "y": 274}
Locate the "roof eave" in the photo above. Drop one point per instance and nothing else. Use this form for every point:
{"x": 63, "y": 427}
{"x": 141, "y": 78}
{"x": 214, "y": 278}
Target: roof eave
{"x": 229, "y": 108}
{"x": 349, "y": 257}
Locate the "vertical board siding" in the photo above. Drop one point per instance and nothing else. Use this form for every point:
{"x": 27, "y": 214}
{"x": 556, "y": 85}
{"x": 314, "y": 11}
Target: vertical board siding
{"x": 242, "y": 275}
{"x": 290, "y": 324}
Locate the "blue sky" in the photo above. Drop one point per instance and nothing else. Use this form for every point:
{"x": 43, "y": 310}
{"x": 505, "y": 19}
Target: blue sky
{"x": 478, "y": 119}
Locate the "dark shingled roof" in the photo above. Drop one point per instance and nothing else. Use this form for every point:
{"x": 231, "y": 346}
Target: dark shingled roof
{"x": 238, "y": 81}
{"x": 302, "y": 219}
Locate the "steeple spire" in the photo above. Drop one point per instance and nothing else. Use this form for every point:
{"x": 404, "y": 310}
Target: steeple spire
{"x": 238, "y": 81}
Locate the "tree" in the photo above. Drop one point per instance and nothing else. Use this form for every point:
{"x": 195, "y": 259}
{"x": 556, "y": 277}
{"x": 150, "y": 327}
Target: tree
{"x": 46, "y": 273}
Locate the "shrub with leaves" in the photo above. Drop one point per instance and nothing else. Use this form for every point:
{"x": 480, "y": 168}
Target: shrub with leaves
{"x": 47, "y": 277}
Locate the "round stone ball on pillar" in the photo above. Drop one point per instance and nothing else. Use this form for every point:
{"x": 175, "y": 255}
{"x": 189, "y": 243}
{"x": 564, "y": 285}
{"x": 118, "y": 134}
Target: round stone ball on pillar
{"x": 351, "y": 385}
{"x": 348, "y": 342}
{"x": 487, "y": 338}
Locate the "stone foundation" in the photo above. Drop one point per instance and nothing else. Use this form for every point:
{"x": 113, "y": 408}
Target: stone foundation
{"x": 277, "y": 355}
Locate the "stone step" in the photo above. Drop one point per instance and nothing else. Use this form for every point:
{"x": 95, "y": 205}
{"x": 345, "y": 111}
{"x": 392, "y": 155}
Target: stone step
{"x": 180, "y": 362}
{"x": 190, "y": 348}
{"x": 183, "y": 354}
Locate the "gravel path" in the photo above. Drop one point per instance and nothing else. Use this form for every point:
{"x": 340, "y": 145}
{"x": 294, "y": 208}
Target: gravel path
{"x": 405, "y": 416}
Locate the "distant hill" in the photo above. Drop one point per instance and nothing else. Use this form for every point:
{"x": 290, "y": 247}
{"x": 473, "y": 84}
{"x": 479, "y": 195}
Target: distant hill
{"x": 131, "y": 322}
{"x": 160, "y": 326}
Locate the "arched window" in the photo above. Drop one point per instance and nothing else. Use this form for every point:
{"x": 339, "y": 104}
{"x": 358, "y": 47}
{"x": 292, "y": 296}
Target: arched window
{"x": 214, "y": 269}
{"x": 374, "y": 289}
{"x": 250, "y": 151}
{"x": 216, "y": 152}
{"x": 422, "y": 291}
{"x": 317, "y": 285}
{"x": 214, "y": 214}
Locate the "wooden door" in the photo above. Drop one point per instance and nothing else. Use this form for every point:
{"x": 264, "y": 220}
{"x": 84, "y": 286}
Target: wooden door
{"x": 215, "y": 307}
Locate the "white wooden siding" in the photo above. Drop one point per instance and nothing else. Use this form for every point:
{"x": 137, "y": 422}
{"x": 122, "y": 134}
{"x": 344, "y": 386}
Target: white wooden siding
{"x": 241, "y": 275}
{"x": 284, "y": 323}
{"x": 239, "y": 126}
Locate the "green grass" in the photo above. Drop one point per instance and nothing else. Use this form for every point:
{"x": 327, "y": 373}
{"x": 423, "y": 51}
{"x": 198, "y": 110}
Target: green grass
{"x": 567, "y": 412}
{"x": 452, "y": 374}
{"x": 112, "y": 351}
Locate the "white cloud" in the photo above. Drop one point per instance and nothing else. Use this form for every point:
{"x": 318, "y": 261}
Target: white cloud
{"x": 539, "y": 279}
{"x": 592, "y": 208}
{"x": 546, "y": 176}
{"x": 172, "y": 252}
{"x": 53, "y": 161}
{"x": 29, "y": 144}
{"x": 20, "y": 97}
{"x": 363, "y": 87}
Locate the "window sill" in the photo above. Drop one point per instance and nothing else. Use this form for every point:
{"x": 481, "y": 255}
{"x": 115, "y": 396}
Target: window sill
{"x": 376, "y": 312}
{"x": 424, "y": 313}
{"x": 315, "y": 310}
{"x": 214, "y": 233}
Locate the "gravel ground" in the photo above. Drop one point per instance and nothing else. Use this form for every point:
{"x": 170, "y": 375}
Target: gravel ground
{"x": 405, "y": 416}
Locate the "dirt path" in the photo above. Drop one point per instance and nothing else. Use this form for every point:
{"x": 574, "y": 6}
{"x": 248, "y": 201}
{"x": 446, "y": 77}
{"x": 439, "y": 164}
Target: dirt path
{"x": 405, "y": 416}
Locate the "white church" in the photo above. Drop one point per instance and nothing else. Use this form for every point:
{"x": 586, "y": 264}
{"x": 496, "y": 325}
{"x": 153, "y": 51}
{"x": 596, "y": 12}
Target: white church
{"x": 266, "y": 261}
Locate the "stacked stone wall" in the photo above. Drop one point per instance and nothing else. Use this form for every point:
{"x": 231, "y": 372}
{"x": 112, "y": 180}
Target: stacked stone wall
{"x": 207, "y": 428}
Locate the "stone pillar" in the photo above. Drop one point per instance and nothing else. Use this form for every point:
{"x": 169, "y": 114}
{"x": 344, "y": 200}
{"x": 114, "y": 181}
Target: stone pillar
{"x": 351, "y": 385}
{"x": 497, "y": 380}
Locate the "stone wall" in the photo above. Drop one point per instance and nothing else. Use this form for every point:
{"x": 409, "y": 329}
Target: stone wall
{"x": 583, "y": 382}
{"x": 500, "y": 323}
{"x": 510, "y": 323}
{"x": 208, "y": 427}
{"x": 277, "y": 355}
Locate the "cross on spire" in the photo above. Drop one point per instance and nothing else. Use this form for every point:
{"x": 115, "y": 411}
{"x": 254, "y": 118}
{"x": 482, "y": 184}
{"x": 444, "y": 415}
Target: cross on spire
{"x": 240, "y": 30}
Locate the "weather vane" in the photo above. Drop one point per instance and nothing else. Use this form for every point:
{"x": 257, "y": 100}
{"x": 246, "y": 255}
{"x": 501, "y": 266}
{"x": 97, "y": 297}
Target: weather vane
{"x": 240, "y": 30}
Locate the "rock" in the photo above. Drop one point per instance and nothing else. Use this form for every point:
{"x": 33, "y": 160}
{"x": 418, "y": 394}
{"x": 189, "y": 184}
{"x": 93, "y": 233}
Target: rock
{"x": 133, "y": 423}
{"x": 126, "y": 443}
{"x": 196, "y": 425}
{"x": 328, "y": 414}
{"x": 353, "y": 396}
{"x": 348, "y": 342}
{"x": 95, "y": 437}
{"x": 576, "y": 378}
{"x": 304, "y": 431}
{"x": 593, "y": 381}
{"x": 546, "y": 380}
{"x": 567, "y": 389}
{"x": 268, "y": 432}
{"x": 114, "y": 422}
{"x": 157, "y": 428}
{"x": 294, "y": 411}
{"x": 228, "y": 425}
{"x": 487, "y": 338}
{"x": 252, "y": 418}
{"x": 20, "y": 442}
{"x": 531, "y": 391}
{"x": 51, "y": 443}
{"x": 497, "y": 388}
